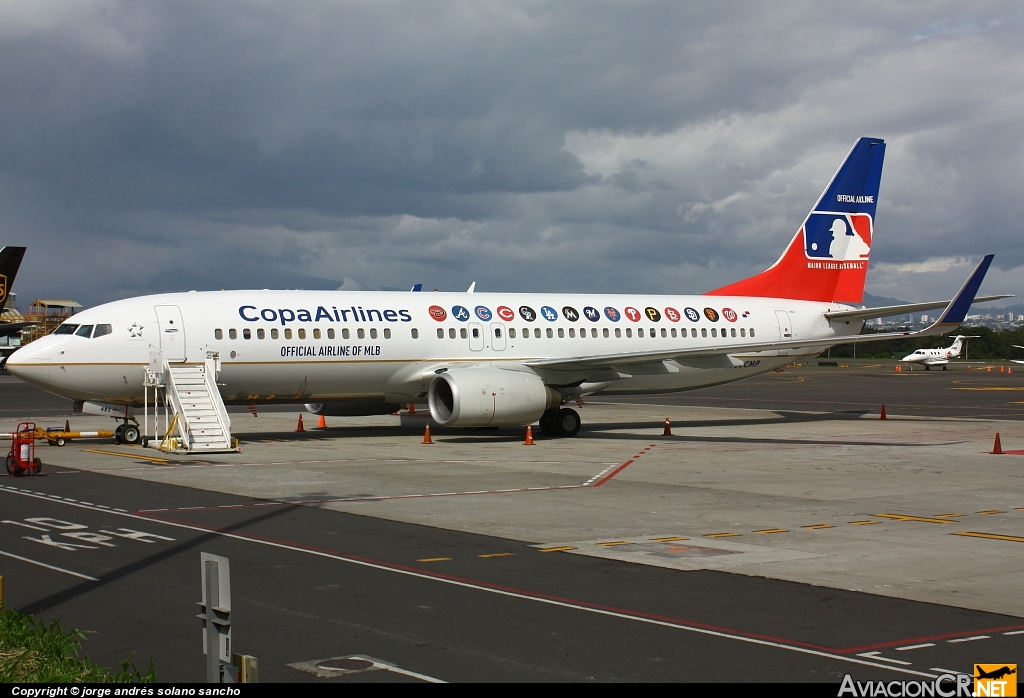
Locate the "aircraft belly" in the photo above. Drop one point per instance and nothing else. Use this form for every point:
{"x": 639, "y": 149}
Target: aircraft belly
{"x": 104, "y": 382}
{"x": 311, "y": 380}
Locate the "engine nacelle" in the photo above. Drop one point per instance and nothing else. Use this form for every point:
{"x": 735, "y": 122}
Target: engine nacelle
{"x": 351, "y": 409}
{"x": 488, "y": 397}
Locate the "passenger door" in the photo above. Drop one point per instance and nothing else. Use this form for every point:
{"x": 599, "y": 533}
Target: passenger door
{"x": 172, "y": 332}
{"x": 785, "y": 329}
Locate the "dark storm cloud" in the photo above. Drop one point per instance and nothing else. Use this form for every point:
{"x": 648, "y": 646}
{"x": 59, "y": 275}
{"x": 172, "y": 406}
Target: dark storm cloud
{"x": 603, "y": 146}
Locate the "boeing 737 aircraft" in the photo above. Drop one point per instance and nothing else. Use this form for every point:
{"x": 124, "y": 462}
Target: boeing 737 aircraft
{"x": 938, "y": 357}
{"x": 490, "y": 359}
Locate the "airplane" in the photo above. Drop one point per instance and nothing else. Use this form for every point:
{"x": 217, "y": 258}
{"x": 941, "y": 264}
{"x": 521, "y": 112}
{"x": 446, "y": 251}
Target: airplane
{"x": 495, "y": 359}
{"x": 1017, "y": 361}
{"x": 995, "y": 674}
{"x": 10, "y": 261}
{"x": 938, "y": 357}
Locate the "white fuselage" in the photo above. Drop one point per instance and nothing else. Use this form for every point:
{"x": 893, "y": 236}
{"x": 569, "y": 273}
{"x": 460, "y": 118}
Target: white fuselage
{"x": 313, "y": 346}
{"x": 933, "y": 357}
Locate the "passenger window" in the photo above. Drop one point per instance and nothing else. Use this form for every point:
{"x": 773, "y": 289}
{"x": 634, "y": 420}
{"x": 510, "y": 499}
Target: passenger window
{"x": 550, "y": 333}
{"x": 66, "y": 329}
{"x": 572, "y": 333}
{"x": 345, "y": 334}
{"x": 246, "y": 333}
{"x": 102, "y": 330}
{"x": 274, "y": 333}
{"x": 302, "y": 333}
{"x": 440, "y": 333}
{"x": 733, "y": 332}
{"x": 217, "y": 334}
{"x": 361, "y": 333}
{"x": 639, "y": 332}
{"x": 593, "y": 332}
{"x": 84, "y": 331}
{"x": 233, "y": 334}
{"x": 561, "y": 333}
{"x": 316, "y": 333}
{"x": 714, "y": 332}
{"x": 703, "y": 331}
{"x": 387, "y": 333}
{"x": 618, "y": 333}
{"x": 673, "y": 333}
{"x": 605, "y": 333}
{"x": 511, "y": 332}
{"x": 451, "y": 333}
{"x": 536, "y": 333}
{"x": 526, "y": 333}
{"x": 415, "y": 333}
{"x": 373, "y": 333}
{"x": 497, "y": 332}
{"x": 743, "y": 332}
{"x": 629, "y": 332}
{"x": 261, "y": 333}
{"x": 287, "y": 333}
{"x": 462, "y": 333}
{"x": 476, "y": 333}
{"x": 330, "y": 333}
{"x": 751, "y": 331}
{"x": 664, "y": 333}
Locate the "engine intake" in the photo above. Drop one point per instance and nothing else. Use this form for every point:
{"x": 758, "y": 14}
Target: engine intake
{"x": 481, "y": 397}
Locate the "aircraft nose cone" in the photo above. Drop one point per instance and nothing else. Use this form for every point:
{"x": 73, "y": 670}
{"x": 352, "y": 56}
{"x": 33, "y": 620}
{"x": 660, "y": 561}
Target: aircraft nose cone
{"x": 31, "y": 365}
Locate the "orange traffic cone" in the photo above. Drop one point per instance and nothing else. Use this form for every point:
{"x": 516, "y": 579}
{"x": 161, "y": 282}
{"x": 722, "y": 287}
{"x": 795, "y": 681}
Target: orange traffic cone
{"x": 529, "y": 436}
{"x": 1002, "y": 369}
{"x": 1009, "y": 369}
{"x": 300, "y": 427}
{"x": 989, "y": 369}
{"x": 426, "y": 434}
{"x": 67, "y": 426}
{"x": 322, "y": 424}
{"x": 997, "y": 448}
{"x": 899, "y": 368}
{"x": 882, "y": 415}
{"x": 668, "y": 428}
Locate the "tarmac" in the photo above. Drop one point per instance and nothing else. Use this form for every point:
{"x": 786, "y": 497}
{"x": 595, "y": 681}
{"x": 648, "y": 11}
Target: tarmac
{"x": 798, "y": 537}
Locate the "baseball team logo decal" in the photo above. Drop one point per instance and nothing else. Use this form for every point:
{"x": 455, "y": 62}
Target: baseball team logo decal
{"x": 527, "y": 313}
{"x": 437, "y": 312}
{"x": 692, "y": 315}
{"x": 591, "y": 314}
{"x": 673, "y": 315}
{"x": 505, "y": 313}
{"x": 653, "y": 314}
{"x": 483, "y": 312}
{"x": 570, "y": 314}
{"x": 612, "y": 314}
{"x": 633, "y": 314}
{"x": 711, "y": 314}
{"x": 549, "y": 313}
{"x": 460, "y": 313}
{"x": 729, "y": 314}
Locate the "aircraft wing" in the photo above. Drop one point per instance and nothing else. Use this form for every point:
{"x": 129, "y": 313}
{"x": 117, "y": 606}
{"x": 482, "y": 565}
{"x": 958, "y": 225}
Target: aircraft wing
{"x": 890, "y": 310}
{"x": 952, "y": 316}
{"x": 8, "y": 328}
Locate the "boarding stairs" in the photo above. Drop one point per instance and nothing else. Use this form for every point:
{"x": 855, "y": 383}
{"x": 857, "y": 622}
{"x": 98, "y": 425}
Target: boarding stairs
{"x": 195, "y": 416}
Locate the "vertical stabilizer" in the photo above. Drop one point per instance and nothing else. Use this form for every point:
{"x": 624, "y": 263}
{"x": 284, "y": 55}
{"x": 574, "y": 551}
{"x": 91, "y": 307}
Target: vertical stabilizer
{"x": 828, "y": 259}
{"x": 10, "y": 260}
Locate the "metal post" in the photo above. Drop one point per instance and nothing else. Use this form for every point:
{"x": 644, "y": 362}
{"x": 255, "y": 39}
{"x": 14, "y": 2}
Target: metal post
{"x": 212, "y": 637}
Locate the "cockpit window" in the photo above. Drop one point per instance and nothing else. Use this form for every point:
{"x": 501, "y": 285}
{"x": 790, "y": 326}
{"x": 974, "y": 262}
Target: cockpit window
{"x": 84, "y": 331}
{"x": 66, "y": 329}
{"x": 102, "y": 330}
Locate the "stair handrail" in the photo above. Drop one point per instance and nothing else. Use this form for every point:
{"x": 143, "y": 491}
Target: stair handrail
{"x": 181, "y": 420}
{"x": 212, "y": 371}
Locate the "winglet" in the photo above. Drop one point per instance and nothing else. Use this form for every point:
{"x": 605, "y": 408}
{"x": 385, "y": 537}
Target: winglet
{"x": 956, "y": 311}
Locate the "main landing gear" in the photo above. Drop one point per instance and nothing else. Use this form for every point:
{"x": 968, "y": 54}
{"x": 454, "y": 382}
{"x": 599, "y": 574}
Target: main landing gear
{"x": 127, "y": 433}
{"x": 560, "y": 423}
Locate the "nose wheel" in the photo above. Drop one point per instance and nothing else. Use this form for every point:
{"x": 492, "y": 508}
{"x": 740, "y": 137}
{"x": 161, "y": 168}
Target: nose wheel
{"x": 561, "y": 423}
{"x": 127, "y": 434}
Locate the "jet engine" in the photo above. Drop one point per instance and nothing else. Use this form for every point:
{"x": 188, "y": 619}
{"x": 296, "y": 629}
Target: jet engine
{"x": 487, "y": 397}
{"x": 346, "y": 408}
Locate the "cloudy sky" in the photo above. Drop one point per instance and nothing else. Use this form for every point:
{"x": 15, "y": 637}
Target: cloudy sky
{"x": 529, "y": 146}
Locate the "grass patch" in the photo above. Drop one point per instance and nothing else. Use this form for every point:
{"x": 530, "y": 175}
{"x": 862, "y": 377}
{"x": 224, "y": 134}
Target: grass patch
{"x": 32, "y": 651}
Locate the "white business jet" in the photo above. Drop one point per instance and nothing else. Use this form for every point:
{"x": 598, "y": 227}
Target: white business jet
{"x": 490, "y": 359}
{"x": 938, "y": 357}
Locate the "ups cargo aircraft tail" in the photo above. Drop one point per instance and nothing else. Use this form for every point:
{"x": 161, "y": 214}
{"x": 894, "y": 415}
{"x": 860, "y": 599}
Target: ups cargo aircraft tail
{"x": 489, "y": 359}
{"x": 10, "y": 262}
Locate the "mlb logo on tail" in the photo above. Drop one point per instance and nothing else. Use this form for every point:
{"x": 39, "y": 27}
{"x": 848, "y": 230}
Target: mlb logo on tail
{"x": 841, "y": 236}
